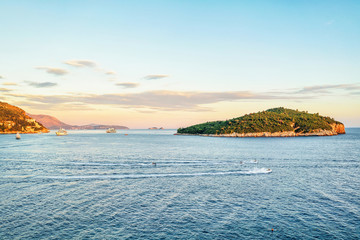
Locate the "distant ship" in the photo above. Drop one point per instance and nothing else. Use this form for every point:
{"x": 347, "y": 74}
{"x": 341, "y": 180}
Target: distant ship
{"x": 111, "y": 130}
{"x": 61, "y": 132}
{"x": 17, "y": 136}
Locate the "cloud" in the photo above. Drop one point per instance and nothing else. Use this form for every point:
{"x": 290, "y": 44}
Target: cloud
{"x": 41, "y": 84}
{"x": 9, "y": 84}
{"x": 81, "y": 63}
{"x": 127, "y": 85}
{"x": 156, "y": 76}
{"x": 157, "y": 100}
{"x": 330, "y": 22}
{"x": 54, "y": 71}
{"x": 165, "y": 100}
{"x": 110, "y": 73}
{"x": 326, "y": 88}
{"x": 5, "y": 90}
{"x": 57, "y": 107}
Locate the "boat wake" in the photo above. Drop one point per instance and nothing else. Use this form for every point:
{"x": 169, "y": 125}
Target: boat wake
{"x": 160, "y": 175}
{"x": 260, "y": 171}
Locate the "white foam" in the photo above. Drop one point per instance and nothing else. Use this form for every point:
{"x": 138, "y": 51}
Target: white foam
{"x": 259, "y": 171}
{"x": 160, "y": 175}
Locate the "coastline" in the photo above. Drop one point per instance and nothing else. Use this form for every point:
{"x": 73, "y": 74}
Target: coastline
{"x": 336, "y": 130}
{"x": 268, "y": 134}
{"x": 20, "y": 132}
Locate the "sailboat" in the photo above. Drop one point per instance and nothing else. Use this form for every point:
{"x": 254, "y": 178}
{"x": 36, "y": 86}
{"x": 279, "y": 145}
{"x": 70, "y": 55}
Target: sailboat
{"x": 17, "y": 136}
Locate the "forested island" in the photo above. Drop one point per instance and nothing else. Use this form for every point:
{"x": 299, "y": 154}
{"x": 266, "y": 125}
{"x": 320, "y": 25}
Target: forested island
{"x": 14, "y": 119}
{"x": 275, "y": 122}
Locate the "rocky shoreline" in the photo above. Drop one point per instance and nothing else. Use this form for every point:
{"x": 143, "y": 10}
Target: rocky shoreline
{"x": 26, "y": 132}
{"x": 336, "y": 129}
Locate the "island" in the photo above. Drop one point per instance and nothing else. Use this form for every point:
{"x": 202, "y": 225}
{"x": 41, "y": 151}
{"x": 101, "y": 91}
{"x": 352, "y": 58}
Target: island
{"x": 15, "y": 120}
{"x": 156, "y": 128}
{"x": 275, "y": 122}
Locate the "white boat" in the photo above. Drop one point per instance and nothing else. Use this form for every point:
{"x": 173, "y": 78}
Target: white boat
{"x": 111, "y": 130}
{"x": 17, "y": 136}
{"x": 61, "y": 132}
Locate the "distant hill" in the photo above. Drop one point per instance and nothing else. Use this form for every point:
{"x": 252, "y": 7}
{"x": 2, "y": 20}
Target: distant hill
{"x": 50, "y": 122}
{"x": 14, "y": 119}
{"x": 54, "y": 123}
{"x": 275, "y": 122}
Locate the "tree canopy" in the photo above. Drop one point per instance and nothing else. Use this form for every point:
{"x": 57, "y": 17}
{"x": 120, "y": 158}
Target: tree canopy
{"x": 272, "y": 120}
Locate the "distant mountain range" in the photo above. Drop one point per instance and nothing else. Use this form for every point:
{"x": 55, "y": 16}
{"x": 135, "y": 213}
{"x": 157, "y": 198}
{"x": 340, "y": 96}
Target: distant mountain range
{"x": 51, "y": 122}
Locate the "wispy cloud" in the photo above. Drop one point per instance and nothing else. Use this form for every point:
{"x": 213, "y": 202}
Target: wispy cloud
{"x": 327, "y": 87}
{"x": 158, "y": 100}
{"x": 41, "y": 84}
{"x": 54, "y": 71}
{"x": 127, "y": 85}
{"x": 9, "y": 84}
{"x": 81, "y": 63}
{"x": 5, "y": 90}
{"x": 89, "y": 64}
{"x": 155, "y": 76}
{"x": 165, "y": 100}
{"x": 329, "y": 22}
{"x": 110, "y": 73}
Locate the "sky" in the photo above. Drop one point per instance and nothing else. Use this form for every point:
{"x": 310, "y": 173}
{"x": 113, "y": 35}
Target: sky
{"x": 176, "y": 63}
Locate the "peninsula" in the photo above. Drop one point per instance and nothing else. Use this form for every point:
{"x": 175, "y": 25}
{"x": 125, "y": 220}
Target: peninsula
{"x": 51, "y": 122}
{"x": 275, "y": 122}
{"x": 14, "y": 119}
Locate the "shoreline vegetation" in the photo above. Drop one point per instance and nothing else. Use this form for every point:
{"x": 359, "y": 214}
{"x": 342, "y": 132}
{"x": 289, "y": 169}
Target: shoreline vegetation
{"x": 14, "y": 120}
{"x": 275, "y": 122}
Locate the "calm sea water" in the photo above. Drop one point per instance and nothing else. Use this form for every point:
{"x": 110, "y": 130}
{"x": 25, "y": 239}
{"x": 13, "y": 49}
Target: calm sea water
{"x": 93, "y": 185}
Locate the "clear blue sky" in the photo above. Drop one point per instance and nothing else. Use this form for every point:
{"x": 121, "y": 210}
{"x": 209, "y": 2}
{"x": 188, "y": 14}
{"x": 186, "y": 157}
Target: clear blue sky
{"x": 161, "y": 61}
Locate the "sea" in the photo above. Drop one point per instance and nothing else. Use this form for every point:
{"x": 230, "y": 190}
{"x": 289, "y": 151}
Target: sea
{"x": 152, "y": 184}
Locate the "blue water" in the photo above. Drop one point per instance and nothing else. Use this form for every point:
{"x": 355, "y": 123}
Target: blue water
{"x": 93, "y": 185}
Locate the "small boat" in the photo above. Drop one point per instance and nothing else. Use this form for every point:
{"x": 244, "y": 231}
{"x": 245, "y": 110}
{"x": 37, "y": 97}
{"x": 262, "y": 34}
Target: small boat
{"x": 268, "y": 170}
{"x": 17, "y": 136}
{"x": 61, "y": 132}
{"x": 111, "y": 130}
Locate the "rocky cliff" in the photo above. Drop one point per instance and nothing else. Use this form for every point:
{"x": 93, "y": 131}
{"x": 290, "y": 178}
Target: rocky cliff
{"x": 338, "y": 129}
{"x": 14, "y": 119}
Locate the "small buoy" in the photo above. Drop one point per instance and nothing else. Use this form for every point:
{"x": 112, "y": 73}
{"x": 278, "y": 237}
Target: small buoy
{"x": 125, "y": 134}
{"x": 272, "y": 229}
